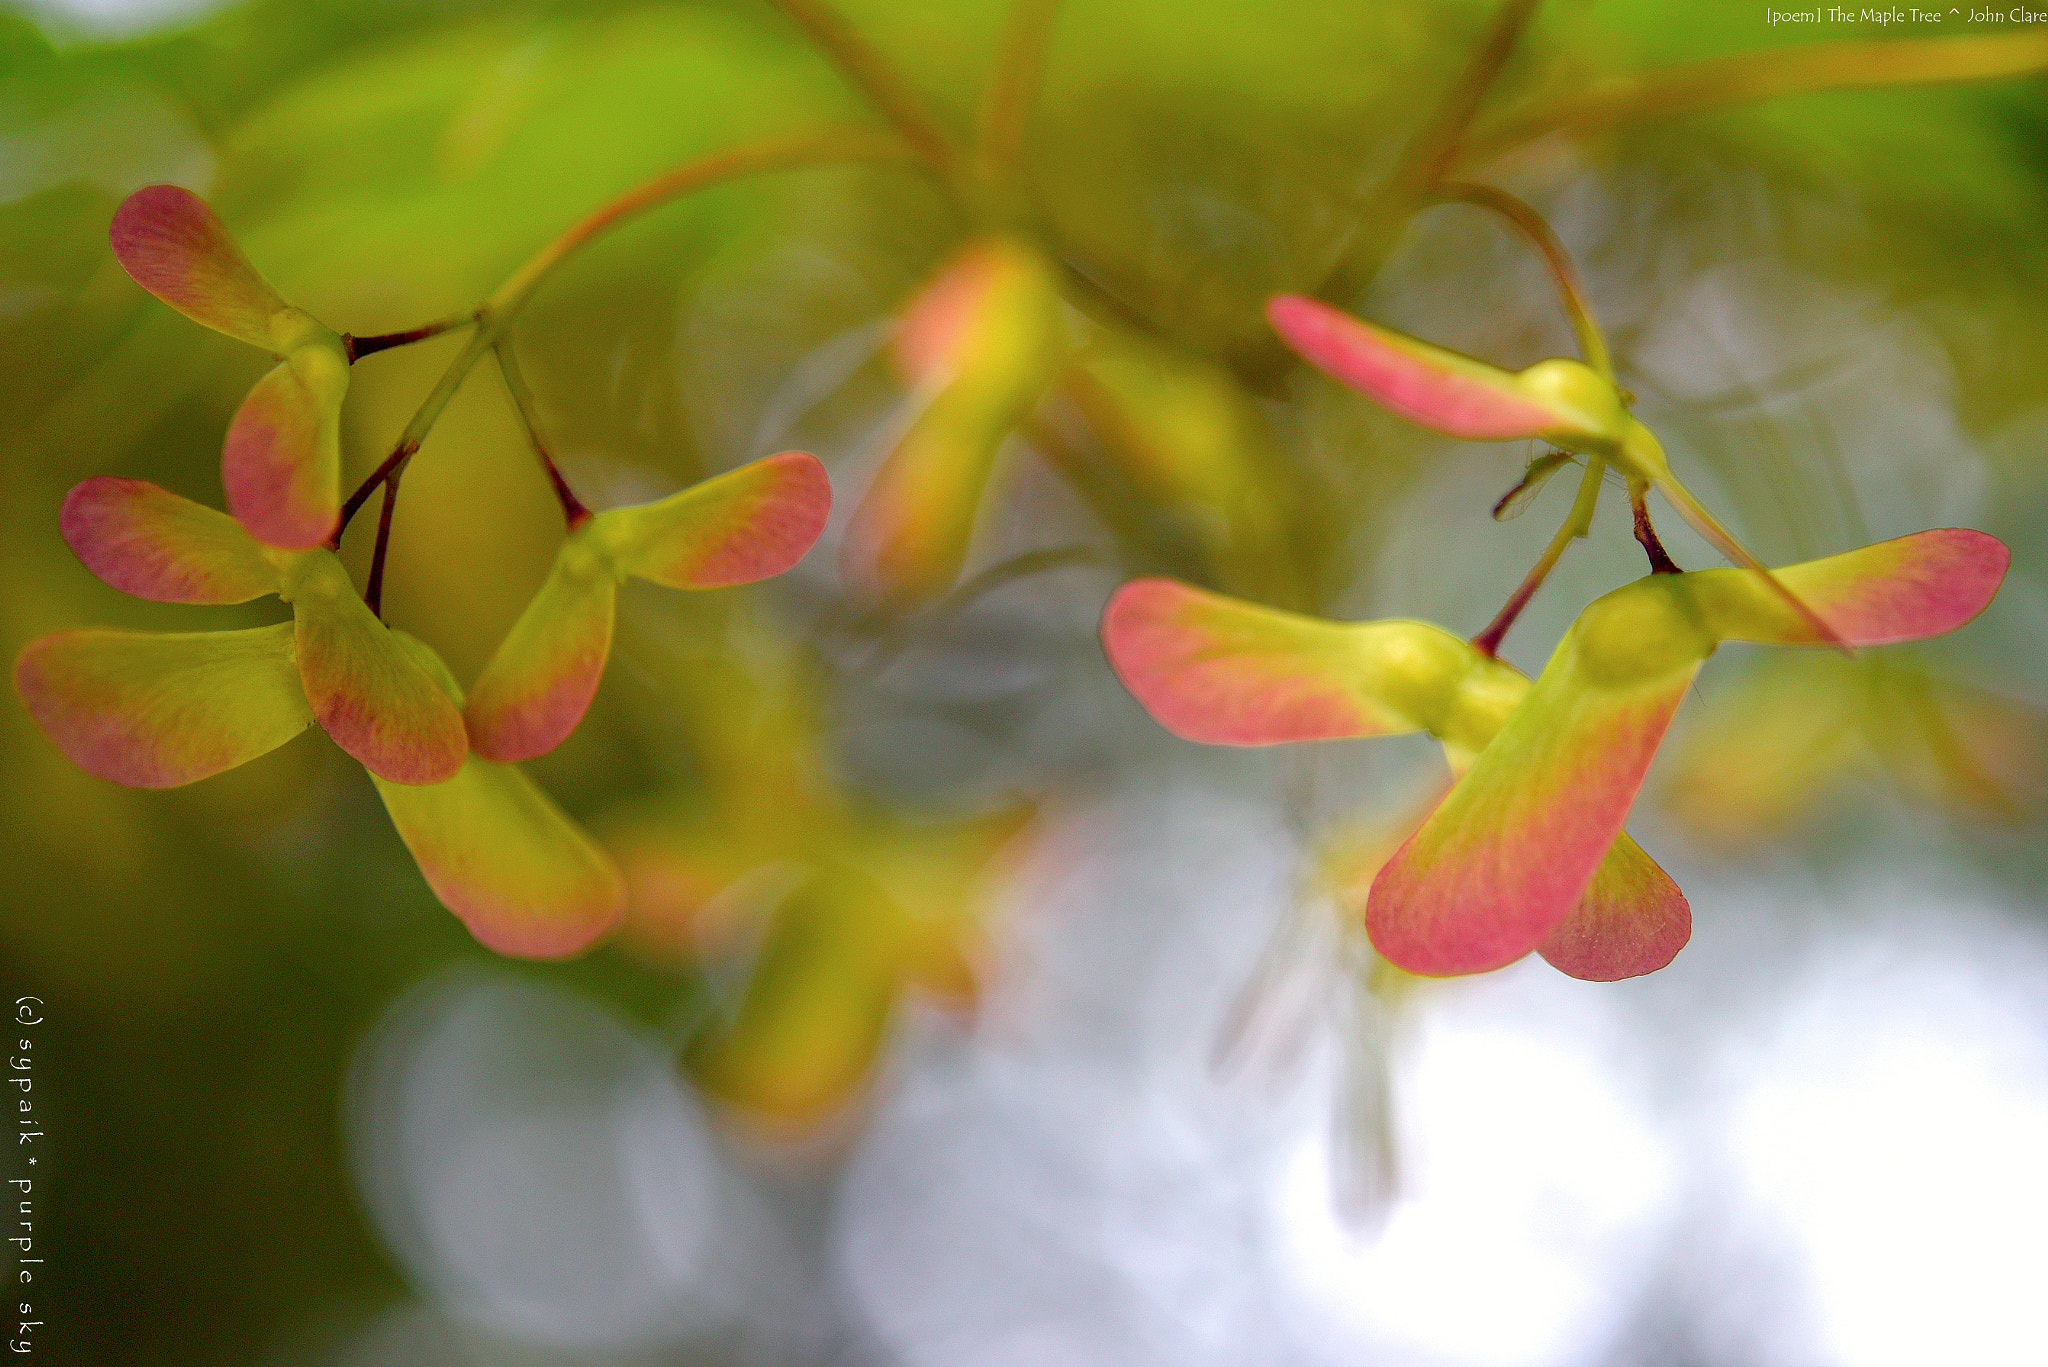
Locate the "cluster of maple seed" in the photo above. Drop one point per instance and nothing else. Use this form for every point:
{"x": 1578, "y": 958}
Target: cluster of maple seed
{"x": 1525, "y": 852}
{"x": 155, "y": 710}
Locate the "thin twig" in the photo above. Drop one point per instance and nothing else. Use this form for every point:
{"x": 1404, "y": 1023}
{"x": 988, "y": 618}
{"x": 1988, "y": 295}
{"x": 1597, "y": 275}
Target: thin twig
{"x": 1531, "y": 225}
{"x": 1720, "y": 81}
{"x": 573, "y": 510}
{"x": 1487, "y": 642}
{"x": 359, "y": 347}
{"x": 1646, "y": 535}
{"x": 398, "y": 457}
{"x": 1019, "y": 71}
{"x": 863, "y": 64}
{"x": 373, "y": 592}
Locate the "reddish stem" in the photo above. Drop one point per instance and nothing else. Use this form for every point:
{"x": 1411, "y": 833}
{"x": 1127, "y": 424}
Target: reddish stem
{"x": 573, "y": 509}
{"x": 1660, "y": 560}
{"x": 1487, "y": 642}
{"x": 359, "y": 347}
{"x": 373, "y": 592}
{"x": 368, "y": 487}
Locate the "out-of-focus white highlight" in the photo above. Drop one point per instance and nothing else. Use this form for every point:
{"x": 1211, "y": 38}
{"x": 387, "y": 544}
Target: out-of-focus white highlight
{"x": 1071, "y": 1187}
{"x": 120, "y": 18}
{"x": 1530, "y": 1187}
{"x": 1898, "y": 1137}
{"x": 1078, "y": 1185}
{"x": 538, "y": 1170}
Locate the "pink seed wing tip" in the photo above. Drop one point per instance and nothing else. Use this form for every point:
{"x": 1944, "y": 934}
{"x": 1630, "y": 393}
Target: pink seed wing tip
{"x": 100, "y": 521}
{"x": 1208, "y": 694}
{"x": 391, "y": 749}
{"x": 1632, "y": 920}
{"x": 157, "y": 711}
{"x": 149, "y": 542}
{"x": 266, "y": 471}
{"x": 171, "y": 243}
{"x": 1973, "y": 565}
{"x": 150, "y": 227}
{"x": 1427, "y": 925}
{"x": 522, "y": 877}
{"x": 932, "y": 325}
{"x": 97, "y": 741}
{"x": 777, "y": 532}
{"x": 1938, "y": 581}
{"x": 519, "y": 937}
{"x": 401, "y": 727}
{"x": 531, "y": 722}
{"x": 1440, "y": 399}
{"x": 1149, "y": 654}
{"x": 1496, "y": 868}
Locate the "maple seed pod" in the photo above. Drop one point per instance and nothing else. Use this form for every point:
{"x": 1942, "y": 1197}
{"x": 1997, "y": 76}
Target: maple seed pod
{"x": 1561, "y": 401}
{"x": 1526, "y": 852}
{"x": 978, "y": 345}
{"x": 156, "y": 710}
{"x": 1220, "y": 670}
{"x": 735, "y": 528}
{"x": 281, "y": 463}
{"x": 1513, "y": 849}
{"x": 364, "y": 689}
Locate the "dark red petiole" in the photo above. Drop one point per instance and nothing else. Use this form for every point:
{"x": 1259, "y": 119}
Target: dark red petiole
{"x": 373, "y": 592}
{"x": 359, "y": 347}
{"x": 573, "y": 510}
{"x": 369, "y": 486}
{"x": 1660, "y": 560}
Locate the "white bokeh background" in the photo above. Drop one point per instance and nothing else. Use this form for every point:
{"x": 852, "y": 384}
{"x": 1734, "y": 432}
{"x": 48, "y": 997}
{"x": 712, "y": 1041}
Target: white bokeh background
{"x": 1836, "y": 1163}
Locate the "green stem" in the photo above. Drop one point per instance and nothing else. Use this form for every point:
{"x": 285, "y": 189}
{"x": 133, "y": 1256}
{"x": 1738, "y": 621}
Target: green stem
{"x": 1721, "y": 539}
{"x": 771, "y": 154}
{"x": 1575, "y": 525}
{"x": 496, "y": 313}
{"x": 874, "y": 76}
{"x": 1720, "y": 81}
{"x": 1019, "y": 70}
{"x": 1430, "y": 154}
{"x": 1571, "y": 291}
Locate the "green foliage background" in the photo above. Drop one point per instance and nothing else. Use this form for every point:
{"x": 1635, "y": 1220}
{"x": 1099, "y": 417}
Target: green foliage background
{"x": 209, "y": 955}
